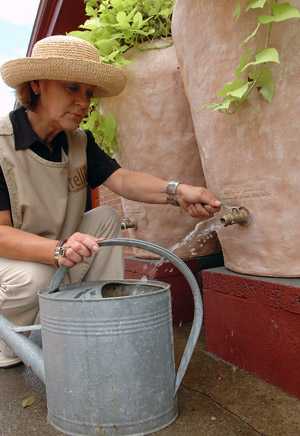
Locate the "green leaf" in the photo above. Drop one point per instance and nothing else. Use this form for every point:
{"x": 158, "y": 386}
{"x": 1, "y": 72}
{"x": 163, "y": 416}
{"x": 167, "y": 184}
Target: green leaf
{"x": 86, "y": 35}
{"x": 92, "y": 23}
{"x": 123, "y": 20}
{"x": 280, "y": 12}
{"x": 285, "y": 11}
{"x": 240, "y": 92}
{"x": 266, "y": 55}
{"x": 255, "y": 4}
{"x": 103, "y": 127}
{"x": 266, "y": 84}
{"x": 244, "y": 60}
{"x": 237, "y": 11}
{"x": 230, "y": 87}
{"x": 166, "y": 12}
{"x": 267, "y": 92}
{"x": 27, "y": 402}
{"x": 265, "y": 19}
{"x": 224, "y": 106}
{"x": 126, "y": 22}
{"x": 138, "y": 20}
{"x": 109, "y": 126}
{"x": 106, "y": 46}
{"x": 90, "y": 12}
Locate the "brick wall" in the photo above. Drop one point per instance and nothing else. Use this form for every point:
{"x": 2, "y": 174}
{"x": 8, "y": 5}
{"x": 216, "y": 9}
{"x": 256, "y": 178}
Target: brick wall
{"x": 107, "y": 197}
{"x": 104, "y": 196}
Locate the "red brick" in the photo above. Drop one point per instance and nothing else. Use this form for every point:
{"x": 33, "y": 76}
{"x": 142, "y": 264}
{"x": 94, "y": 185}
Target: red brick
{"x": 254, "y": 323}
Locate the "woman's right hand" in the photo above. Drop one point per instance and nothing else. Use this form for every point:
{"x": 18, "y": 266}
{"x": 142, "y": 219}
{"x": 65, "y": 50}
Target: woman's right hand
{"x": 78, "y": 246}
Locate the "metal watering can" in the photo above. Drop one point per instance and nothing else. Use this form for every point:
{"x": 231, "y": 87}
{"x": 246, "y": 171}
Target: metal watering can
{"x": 108, "y": 358}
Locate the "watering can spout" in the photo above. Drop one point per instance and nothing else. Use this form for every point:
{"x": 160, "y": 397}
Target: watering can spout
{"x": 29, "y": 352}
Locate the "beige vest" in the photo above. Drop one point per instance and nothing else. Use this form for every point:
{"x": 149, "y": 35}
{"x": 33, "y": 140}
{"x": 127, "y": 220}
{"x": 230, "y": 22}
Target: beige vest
{"x": 47, "y": 198}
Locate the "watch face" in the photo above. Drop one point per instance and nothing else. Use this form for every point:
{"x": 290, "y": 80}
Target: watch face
{"x": 171, "y": 187}
{"x": 62, "y": 251}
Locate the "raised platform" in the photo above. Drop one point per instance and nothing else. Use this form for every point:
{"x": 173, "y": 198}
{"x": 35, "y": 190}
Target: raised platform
{"x": 254, "y": 323}
{"x": 182, "y": 299}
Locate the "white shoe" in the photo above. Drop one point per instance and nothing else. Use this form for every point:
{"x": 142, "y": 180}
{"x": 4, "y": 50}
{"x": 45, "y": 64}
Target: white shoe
{"x": 7, "y": 356}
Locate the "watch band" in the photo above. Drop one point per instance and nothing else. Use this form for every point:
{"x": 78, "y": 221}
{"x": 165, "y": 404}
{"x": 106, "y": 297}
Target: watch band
{"x": 59, "y": 251}
{"x": 171, "y": 190}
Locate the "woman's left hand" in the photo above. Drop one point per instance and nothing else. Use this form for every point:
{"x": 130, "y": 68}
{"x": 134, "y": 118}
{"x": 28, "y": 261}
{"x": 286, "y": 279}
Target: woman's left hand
{"x": 197, "y": 201}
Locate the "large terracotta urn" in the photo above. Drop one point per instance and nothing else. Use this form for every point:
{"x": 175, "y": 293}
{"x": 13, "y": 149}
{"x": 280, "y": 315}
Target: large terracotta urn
{"x": 156, "y": 135}
{"x": 250, "y": 158}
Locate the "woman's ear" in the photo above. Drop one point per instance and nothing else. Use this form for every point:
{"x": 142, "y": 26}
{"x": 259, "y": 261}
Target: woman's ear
{"x": 35, "y": 86}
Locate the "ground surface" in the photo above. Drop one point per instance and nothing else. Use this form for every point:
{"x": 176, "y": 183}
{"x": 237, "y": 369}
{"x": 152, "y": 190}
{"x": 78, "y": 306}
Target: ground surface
{"x": 215, "y": 400}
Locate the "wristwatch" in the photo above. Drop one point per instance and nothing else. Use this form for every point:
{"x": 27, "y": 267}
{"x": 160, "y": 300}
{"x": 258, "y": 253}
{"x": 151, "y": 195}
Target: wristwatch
{"x": 171, "y": 190}
{"x": 59, "y": 251}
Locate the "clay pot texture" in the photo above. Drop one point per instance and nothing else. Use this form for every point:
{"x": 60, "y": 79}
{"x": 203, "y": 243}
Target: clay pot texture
{"x": 251, "y": 158}
{"x": 156, "y": 135}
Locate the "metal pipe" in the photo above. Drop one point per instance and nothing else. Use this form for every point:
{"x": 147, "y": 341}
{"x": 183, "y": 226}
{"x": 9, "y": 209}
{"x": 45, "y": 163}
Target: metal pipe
{"x": 29, "y": 353}
{"x": 236, "y": 215}
{"x": 128, "y": 223}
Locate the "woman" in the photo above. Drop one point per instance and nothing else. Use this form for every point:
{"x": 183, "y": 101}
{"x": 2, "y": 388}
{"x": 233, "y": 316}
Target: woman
{"x": 47, "y": 162}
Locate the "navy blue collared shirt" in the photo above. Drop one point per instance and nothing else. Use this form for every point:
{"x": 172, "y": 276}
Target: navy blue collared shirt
{"x": 99, "y": 165}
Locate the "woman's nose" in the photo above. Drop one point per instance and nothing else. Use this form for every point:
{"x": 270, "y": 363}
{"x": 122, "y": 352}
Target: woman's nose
{"x": 83, "y": 100}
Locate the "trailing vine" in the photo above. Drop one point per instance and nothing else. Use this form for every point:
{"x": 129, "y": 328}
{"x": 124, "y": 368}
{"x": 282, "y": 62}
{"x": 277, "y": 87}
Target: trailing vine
{"x": 254, "y": 70}
{"x": 113, "y": 27}
{"x": 103, "y": 127}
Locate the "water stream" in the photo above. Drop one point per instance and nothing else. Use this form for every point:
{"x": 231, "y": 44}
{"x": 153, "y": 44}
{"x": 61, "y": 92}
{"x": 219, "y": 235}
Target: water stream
{"x": 201, "y": 233}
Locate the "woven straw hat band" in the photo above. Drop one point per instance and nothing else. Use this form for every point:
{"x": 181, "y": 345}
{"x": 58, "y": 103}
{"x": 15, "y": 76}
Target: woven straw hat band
{"x": 62, "y": 47}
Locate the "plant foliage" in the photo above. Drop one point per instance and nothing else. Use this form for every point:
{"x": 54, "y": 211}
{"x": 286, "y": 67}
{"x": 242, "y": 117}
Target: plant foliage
{"x": 113, "y": 27}
{"x": 103, "y": 127}
{"x": 254, "y": 69}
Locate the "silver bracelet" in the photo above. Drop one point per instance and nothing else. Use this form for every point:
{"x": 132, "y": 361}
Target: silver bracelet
{"x": 171, "y": 191}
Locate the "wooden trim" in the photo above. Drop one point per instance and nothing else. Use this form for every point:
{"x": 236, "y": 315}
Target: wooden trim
{"x": 56, "y": 17}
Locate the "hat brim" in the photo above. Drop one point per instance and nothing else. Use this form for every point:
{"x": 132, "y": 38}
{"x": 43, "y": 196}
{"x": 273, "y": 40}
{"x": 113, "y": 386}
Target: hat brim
{"x": 108, "y": 79}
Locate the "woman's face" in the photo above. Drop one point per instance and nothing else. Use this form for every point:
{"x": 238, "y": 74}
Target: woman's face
{"x": 62, "y": 104}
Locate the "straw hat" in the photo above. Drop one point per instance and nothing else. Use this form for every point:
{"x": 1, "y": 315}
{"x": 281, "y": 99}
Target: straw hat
{"x": 68, "y": 58}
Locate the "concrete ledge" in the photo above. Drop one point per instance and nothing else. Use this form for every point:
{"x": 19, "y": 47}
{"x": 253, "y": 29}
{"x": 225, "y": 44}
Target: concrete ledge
{"x": 254, "y": 323}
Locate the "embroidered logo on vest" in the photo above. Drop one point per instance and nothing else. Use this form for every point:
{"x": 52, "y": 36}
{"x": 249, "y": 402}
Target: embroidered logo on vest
{"x": 77, "y": 179}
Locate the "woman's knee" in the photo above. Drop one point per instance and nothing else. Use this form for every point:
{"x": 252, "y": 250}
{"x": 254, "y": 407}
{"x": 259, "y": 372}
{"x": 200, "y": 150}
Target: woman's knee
{"x": 22, "y": 282}
{"x": 108, "y": 220}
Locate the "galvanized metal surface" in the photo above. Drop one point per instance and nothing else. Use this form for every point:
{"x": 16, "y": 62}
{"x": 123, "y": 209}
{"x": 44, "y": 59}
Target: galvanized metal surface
{"x": 184, "y": 269}
{"x": 29, "y": 352}
{"x": 109, "y": 361}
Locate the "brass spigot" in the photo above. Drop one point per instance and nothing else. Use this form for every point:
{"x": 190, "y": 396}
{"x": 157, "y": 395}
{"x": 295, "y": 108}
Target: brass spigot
{"x": 236, "y": 215}
{"x": 128, "y": 223}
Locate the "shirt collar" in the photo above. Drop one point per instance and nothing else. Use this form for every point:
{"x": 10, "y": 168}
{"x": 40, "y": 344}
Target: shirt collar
{"x": 24, "y": 134}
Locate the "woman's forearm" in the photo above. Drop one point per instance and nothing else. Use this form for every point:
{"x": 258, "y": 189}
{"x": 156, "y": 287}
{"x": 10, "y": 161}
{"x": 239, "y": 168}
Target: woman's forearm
{"x": 138, "y": 186}
{"x": 20, "y": 245}
{"x": 197, "y": 201}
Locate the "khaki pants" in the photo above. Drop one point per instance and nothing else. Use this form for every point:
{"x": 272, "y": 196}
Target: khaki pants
{"x": 20, "y": 280}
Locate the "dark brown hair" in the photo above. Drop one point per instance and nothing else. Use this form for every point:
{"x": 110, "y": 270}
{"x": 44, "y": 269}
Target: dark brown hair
{"x": 26, "y": 96}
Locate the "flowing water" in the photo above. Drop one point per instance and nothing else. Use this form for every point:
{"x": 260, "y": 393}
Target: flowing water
{"x": 201, "y": 233}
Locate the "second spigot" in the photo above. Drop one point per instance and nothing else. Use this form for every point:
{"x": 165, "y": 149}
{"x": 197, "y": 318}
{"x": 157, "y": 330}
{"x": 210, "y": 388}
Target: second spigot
{"x": 128, "y": 223}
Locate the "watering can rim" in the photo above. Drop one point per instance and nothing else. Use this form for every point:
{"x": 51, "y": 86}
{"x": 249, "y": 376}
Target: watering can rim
{"x": 34, "y": 359}
{"x": 50, "y": 294}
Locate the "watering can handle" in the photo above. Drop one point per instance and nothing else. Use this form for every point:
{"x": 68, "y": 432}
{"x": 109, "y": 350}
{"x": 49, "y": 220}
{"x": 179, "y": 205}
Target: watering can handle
{"x": 183, "y": 268}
